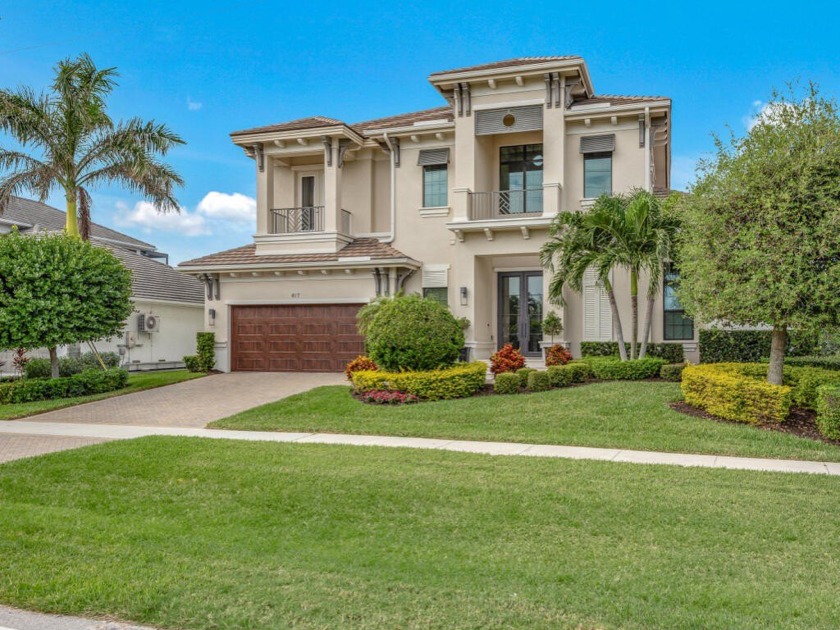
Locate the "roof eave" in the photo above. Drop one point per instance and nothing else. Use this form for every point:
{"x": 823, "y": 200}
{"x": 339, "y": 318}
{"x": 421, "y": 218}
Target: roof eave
{"x": 361, "y": 263}
{"x": 655, "y": 106}
{"x": 249, "y": 138}
{"x": 410, "y": 129}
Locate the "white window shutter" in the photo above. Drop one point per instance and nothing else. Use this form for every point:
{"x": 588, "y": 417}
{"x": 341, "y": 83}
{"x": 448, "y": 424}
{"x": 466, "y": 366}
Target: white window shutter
{"x": 597, "y": 315}
{"x": 435, "y": 276}
{"x": 606, "y": 331}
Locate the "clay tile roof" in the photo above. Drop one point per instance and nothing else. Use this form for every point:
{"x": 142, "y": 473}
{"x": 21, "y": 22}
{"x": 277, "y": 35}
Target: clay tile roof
{"x": 617, "y": 99}
{"x": 313, "y": 122}
{"x": 518, "y": 61}
{"x": 360, "y": 248}
{"x": 402, "y": 120}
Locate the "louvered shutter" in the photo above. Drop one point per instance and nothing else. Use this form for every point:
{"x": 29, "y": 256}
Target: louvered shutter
{"x": 435, "y": 276}
{"x": 597, "y": 144}
{"x": 432, "y": 157}
{"x": 525, "y": 118}
{"x": 597, "y": 315}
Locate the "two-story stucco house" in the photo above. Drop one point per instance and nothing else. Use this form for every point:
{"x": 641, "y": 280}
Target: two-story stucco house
{"x": 452, "y": 202}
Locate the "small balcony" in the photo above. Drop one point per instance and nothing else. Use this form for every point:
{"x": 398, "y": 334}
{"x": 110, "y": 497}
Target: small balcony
{"x": 303, "y": 220}
{"x": 505, "y": 204}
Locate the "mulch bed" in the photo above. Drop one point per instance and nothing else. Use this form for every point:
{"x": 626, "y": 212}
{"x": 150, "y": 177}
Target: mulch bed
{"x": 800, "y": 422}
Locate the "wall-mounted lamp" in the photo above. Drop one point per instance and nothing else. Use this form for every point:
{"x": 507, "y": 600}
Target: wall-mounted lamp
{"x": 211, "y": 314}
{"x": 463, "y": 296}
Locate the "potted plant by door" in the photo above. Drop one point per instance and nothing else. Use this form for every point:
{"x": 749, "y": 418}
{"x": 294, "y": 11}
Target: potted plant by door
{"x": 552, "y": 325}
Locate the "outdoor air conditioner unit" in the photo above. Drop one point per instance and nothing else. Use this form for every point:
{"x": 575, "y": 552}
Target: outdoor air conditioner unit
{"x": 148, "y": 323}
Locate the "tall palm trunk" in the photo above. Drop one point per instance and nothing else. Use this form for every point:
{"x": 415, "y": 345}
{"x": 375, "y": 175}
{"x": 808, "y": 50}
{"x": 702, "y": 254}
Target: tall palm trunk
{"x": 72, "y": 224}
{"x": 648, "y": 323}
{"x": 634, "y": 304}
{"x": 619, "y": 334}
{"x": 778, "y": 341}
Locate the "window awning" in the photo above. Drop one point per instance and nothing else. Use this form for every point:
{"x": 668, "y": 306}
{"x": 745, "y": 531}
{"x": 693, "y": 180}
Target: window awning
{"x": 430, "y": 157}
{"x": 597, "y": 144}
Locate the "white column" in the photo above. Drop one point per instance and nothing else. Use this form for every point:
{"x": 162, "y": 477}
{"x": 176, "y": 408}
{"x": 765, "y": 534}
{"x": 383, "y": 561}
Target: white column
{"x": 265, "y": 193}
{"x": 332, "y": 189}
{"x": 554, "y": 152}
{"x": 464, "y": 163}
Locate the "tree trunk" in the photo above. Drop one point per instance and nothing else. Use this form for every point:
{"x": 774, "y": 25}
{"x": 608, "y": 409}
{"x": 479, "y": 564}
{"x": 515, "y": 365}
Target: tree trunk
{"x": 71, "y": 227}
{"x": 648, "y": 323}
{"x": 53, "y": 363}
{"x": 778, "y": 341}
{"x": 634, "y": 306}
{"x": 619, "y": 334}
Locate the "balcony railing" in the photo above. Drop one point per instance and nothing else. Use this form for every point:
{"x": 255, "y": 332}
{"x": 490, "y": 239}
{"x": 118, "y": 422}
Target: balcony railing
{"x": 505, "y": 204}
{"x": 297, "y": 220}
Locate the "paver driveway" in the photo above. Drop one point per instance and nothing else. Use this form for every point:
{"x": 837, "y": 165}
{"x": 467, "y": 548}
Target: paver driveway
{"x": 192, "y": 403}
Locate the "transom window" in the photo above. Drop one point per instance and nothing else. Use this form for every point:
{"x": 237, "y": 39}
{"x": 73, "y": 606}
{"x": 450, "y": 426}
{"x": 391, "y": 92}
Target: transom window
{"x": 677, "y": 327}
{"x": 435, "y": 186}
{"x": 597, "y": 174}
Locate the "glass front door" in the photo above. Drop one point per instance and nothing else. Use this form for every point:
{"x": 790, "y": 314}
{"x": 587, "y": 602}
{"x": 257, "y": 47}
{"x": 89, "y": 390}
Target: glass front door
{"x": 521, "y": 310}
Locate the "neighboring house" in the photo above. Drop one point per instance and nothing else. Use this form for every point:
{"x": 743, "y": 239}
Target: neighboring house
{"x": 174, "y": 299}
{"x": 452, "y": 202}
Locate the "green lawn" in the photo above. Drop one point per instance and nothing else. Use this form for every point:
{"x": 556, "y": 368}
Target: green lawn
{"x": 192, "y": 533}
{"x": 632, "y": 415}
{"x": 137, "y": 381}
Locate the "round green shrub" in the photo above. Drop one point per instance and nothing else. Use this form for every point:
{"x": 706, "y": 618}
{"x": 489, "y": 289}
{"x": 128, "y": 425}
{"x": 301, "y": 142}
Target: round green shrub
{"x": 672, "y": 372}
{"x": 538, "y": 382}
{"x": 413, "y": 333}
{"x": 561, "y": 375}
{"x": 523, "y": 373}
{"x": 506, "y": 383}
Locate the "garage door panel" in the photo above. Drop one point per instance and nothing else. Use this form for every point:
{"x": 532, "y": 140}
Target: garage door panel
{"x": 292, "y": 338}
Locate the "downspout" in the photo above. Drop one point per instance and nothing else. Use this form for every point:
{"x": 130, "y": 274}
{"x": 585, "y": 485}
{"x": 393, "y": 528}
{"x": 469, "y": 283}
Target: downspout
{"x": 648, "y": 149}
{"x": 393, "y": 231}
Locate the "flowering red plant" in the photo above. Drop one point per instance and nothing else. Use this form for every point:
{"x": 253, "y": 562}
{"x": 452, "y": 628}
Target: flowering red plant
{"x": 508, "y": 359}
{"x": 557, "y": 355}
{"x": 358, "y": 364}
{"x": 387, "y": 397}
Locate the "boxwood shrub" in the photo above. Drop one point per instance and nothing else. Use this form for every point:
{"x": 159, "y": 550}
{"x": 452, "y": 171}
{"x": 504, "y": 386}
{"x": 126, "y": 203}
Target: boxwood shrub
{"x": 523, "y": 373}
{"x": 828, "y": 411}
{"x": 733, "y": 391}
{"x": 745, "y": 346}
{"x": 68, "y": 366}
{"x": 581, "y": 371}
{"x": 826, "y": 363}
{"x": 458, "y": 381}
{"x": 506, "y": 383}
{"x": 84, "y": 384}
{"x": 614, "y": 369}
{"x": 671, "y": 352}
{"x": 538, "y": 381}
{"x": 672, "y": 372}
{"x": 561, "y": 375}
{"x": 413, "y": 333}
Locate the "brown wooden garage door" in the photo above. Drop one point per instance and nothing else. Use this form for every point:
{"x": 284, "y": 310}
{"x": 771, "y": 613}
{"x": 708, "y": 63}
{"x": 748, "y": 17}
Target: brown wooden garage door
{"x": 298, "y": 338}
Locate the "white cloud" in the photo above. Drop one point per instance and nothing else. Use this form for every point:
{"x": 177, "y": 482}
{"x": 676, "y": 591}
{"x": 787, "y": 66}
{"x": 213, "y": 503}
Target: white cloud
{"x": 146, "y": 217}
{"x": 193, "y": 106}
{"x": 234, "y": 207}
{"x": 217, "y": 213}
{"x": 764, "y": 112}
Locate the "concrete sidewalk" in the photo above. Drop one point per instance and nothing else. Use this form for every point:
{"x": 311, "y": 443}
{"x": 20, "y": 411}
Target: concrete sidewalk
{"x": 14, "y": 619}
{"x": 117, "y": 432}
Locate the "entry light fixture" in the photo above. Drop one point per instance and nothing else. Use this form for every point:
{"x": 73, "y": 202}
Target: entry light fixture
{"x": 463, "y": 296}
{"x": 211, "y": 314}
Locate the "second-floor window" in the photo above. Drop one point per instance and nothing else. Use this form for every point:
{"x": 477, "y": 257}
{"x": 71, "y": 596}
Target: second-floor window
{"x": 521, "y": 179}
{"x": 597, "y": 174}
{"x": 435, "y": 186}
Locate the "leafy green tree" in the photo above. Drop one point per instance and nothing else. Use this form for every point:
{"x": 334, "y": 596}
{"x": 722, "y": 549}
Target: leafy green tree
{"x": 57, "y": 290}
{"x": 760, "y": 244}
{"x": 552, "y": 325}
{"x": 631, "y": 232}
{"x": 68, "y": 142}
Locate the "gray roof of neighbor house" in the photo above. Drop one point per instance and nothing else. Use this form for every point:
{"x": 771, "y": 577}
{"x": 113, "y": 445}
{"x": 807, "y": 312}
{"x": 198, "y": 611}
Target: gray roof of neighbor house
{"x": 151, "y": 279}
{"x": 34, "y": 213}
{"x": 154, "y": 280}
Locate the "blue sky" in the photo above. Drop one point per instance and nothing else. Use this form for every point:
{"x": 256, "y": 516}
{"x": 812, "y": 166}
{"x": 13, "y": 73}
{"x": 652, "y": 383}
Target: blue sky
{"x": 207, "y": 68}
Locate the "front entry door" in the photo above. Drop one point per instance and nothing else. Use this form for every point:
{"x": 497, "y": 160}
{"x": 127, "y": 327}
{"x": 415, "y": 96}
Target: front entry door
{"x": 521, "y": 311}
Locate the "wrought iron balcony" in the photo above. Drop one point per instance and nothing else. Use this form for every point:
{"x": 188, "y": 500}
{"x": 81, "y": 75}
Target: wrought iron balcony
{"x": 297, "y": 220}
{"x": 505, "y": 204}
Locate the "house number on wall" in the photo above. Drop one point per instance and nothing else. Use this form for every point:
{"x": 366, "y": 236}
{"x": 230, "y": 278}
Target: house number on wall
{"x": 295, "y": 295}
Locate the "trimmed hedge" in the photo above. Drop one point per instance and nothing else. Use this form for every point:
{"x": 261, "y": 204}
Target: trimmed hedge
{"x": 747, "y": 346}
{"x": 192, "y": 363}
{"x": 671, "y": 352}
{"x": 459, "y": 381}
{"x": 828, "y": 411}
{"x": 581, "y": 372}
{"x": 806, "y": 381}
{"x": 731, "y": 391}
{"x": 506, "y": 383}
{"x": 614, "y": 369}
{"x": 561, "y": 375}
{"x": 672, "y": 372}
{"x": 523, "y": 373}
{"x": 68, "y": 366}
{"x": 538, "y": 381}
{"x": 205, "y": 343}
{"x": 826, "y": 363}
{"x": 84, "y": 384}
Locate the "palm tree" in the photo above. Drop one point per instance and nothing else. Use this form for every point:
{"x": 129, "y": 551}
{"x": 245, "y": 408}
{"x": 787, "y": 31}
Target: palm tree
{"x": 579, "y": 242}
{"x": 67, "y": 141}
{"x": 627, "y": 231}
